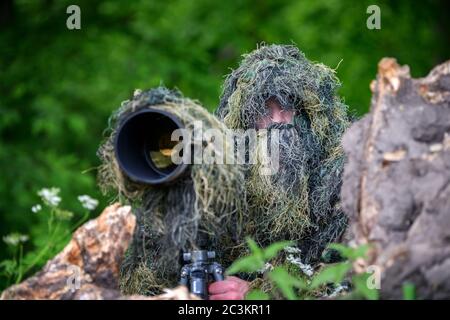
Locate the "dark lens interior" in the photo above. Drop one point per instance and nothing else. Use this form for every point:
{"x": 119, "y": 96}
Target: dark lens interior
{"x": 158, "y": 150}
{"x": 144, "y": 146}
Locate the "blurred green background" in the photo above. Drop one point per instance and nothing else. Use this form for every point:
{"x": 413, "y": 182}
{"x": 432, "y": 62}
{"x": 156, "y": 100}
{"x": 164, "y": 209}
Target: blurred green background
{"x": 58, "y": 87}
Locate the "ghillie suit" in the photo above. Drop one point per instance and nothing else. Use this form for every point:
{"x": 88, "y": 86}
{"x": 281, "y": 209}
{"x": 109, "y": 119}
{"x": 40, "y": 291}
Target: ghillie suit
{"x": 209, "y": 202}
{"x": 301, "y": 201}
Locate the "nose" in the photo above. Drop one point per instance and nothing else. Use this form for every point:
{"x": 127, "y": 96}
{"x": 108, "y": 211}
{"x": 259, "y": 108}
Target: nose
{"x": 282, "y": 116}
{"x": 276, "y": 115}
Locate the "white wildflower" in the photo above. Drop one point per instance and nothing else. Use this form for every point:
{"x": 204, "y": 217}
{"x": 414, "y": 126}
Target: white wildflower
{"x": 338, "y": 290}
{"x": 292, "y": 250}
{"x": 36, "y": 208}
{"x": 87, "y": 202}
{"x": 14, "y": 239}
{"x": 266, "y": 267}
{"x": 306, "y": 268}
{"x": 50, "y": 196}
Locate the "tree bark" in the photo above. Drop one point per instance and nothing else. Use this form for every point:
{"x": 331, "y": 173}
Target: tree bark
{"x": 396, "y": 184}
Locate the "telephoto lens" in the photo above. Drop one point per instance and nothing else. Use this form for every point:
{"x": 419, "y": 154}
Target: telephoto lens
{"x": 164, "y": 155}
{"x": 144, "y": 147}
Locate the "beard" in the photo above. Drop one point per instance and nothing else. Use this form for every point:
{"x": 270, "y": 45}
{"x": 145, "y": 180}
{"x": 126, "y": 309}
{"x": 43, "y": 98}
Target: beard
{"x": 280, "y": 201}
{"x": 296, "y": 202}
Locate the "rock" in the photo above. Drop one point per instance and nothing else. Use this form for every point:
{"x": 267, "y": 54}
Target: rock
{"x": 88, "y": 267}
{"x": 396, "y": 183}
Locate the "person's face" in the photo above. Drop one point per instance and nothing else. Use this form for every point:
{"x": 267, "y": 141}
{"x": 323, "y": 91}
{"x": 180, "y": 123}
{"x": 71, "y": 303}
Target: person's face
{"x": 276, "y": 115}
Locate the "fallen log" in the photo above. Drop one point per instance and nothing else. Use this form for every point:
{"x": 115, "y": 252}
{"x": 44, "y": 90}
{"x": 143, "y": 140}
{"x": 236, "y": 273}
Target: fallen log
{"x": 396, "y": 183}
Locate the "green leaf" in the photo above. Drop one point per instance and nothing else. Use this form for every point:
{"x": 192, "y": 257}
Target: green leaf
{"x": 256, "y": 260}
{"x": 342, "y": 249}
{"x": 245, "y": 264}
{"x": 9, "y": 266}
{"x": 409, "y": 291}
{"x": 359, "y": 252}
{"x": 272, "y": 250}
{"x": 331, "y": 274}
{"x": 254, "y": 248}
{"x": 350, "y": 253}
{"x": 360, "y": 283}
{"x": 285, "y": 282}
{"x": 257, "y": 295}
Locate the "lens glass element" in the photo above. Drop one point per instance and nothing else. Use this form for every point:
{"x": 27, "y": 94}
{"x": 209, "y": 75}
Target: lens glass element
{"x": 161, "y": 154}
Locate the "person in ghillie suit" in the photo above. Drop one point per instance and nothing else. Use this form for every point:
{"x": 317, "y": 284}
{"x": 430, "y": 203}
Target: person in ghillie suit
{"x": 205, "y": 205}
{"x": 275, "y": 87}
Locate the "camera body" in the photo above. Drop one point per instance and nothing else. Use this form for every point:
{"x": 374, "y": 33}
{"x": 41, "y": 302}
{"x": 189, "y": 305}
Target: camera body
{"x": 199, "y": 271}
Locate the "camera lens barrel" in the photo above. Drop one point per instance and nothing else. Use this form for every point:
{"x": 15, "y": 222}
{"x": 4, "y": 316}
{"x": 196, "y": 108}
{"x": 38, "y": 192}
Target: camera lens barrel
{"x": 142, "y": 147}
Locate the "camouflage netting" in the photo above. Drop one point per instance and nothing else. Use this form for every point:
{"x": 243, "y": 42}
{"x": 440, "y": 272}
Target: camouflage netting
{"x": 209, "y": 202}
{"x": 301, "y": 201}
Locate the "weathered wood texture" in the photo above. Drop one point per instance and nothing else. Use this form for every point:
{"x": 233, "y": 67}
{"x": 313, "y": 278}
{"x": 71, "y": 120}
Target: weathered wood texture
{"x": 396, "y": 186}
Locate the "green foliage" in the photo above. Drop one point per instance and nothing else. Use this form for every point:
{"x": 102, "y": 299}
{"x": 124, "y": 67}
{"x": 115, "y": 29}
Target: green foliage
{"x": 286, "y": 283}
{"x": 58, "y": 87}
{"x": 45, "y": 245}
{"x": 257, "y": 295}
{"x": 350, "y": 253}
{"x": 409, "y": 291}
{"x": 361, "y": 289}
{"x": 256, "y": 260}
{"x": 360, "y": 282}
{"x": 331, "y": 274}
{"x": 292, "y": 286}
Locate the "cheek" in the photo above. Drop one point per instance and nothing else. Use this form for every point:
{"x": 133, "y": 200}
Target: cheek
{"x": 263, "y": 122}
{"x": 286, "y": 116}
{"x": 278, "y": 116}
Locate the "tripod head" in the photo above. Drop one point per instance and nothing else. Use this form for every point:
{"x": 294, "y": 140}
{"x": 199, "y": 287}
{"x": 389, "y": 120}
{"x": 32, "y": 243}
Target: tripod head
{"x": 199, "y": 271}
